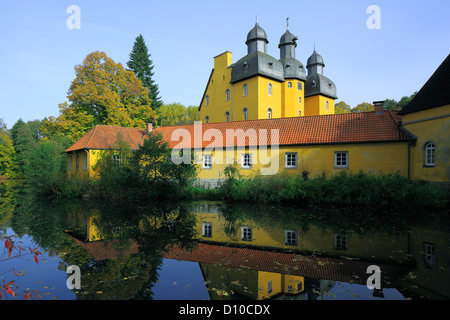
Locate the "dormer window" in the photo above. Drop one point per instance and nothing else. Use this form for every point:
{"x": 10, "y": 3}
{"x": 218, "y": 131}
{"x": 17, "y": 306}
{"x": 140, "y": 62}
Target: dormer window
{"x": 288, "y": 66}
{"x": 270, "y": 65}
{"x": 245, "y": 65}
{"x": 314, "y": 83}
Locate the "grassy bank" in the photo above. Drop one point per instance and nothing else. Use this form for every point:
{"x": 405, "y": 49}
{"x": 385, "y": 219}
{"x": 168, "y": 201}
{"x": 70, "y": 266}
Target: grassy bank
{"x": 345, "y": 189}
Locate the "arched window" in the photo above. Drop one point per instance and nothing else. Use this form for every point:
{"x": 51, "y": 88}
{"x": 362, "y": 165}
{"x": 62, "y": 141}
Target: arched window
{"x": 289, "y": 84}
{"x": 207, "y": 100}
{"x": 299, "y": 99}
{"x": 430, "y": 154}
{"x": 326, "y": 105}
{"x": 245, "y": 90}
{"x": 269, "y": 113}
{"x": 227, "y": 116}
{"x": 245, "y": 111}
{"x": 207, "y": 119}
{"x": 269, "y": 89}
{"x": 299, "y": 113}
{"x": 227, "y": 95}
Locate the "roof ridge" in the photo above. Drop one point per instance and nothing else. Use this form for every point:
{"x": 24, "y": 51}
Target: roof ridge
{"x": 90, "y": 138}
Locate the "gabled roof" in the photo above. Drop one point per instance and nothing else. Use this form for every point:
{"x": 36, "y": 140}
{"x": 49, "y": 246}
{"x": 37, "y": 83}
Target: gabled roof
{"x": 361, "y": 127}
{"x": 105, "y": 137}
{"x": 435, "y": 92}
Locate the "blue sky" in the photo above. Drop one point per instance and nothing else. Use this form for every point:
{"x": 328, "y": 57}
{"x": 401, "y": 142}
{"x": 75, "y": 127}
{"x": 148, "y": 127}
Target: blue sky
{"x": 38, "y": 52}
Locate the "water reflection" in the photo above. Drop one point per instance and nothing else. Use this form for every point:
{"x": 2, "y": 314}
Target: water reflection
{"x": 242, "y": 252}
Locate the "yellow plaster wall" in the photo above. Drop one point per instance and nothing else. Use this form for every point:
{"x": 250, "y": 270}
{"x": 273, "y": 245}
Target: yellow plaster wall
{"x": 431, "y": 125}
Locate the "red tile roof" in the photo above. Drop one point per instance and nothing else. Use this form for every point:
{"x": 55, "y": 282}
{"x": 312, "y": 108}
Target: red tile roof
{"x": 329, "y": 268}
{"x": 309, "y": 130}
{"x": 105, "y": 137}
{"x": 327, "y": 129}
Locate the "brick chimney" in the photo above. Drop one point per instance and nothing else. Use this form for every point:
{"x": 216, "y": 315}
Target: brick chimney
{"x": 378, "y": 107}
{"x": 149, "y": 127}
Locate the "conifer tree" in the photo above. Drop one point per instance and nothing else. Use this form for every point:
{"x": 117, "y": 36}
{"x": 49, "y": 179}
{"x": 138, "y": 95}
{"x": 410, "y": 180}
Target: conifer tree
{"x": 141, "y": 64}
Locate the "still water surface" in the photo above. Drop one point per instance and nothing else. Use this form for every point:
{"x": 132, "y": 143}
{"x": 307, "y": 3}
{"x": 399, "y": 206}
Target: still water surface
{"x": 206, "y": 250}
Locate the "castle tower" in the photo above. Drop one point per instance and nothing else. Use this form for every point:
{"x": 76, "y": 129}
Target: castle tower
{"x": 320, "y": 92}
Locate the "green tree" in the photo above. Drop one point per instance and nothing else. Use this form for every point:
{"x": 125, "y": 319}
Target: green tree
{"x": 26, "y": 136}
{"x": 103, "y": 92}
{"x": 141, "y": 64}
{"x": 342, "y": 107}
{"x": 8, "y": 163}
{"x": 176, "y": 114}
{"x": 363, "y": 107}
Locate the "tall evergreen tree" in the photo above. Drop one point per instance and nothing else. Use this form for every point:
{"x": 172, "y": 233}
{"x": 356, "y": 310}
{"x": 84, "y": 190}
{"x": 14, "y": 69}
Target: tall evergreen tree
{"x": 142, "y": 66}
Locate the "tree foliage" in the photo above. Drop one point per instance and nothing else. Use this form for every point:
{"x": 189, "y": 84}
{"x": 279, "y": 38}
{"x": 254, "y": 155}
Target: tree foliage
{"x": 342, "y": 107}
{"x": 176, "y": 114}
{"x": 141, "y": 64}
{"x": 103, "y": 92}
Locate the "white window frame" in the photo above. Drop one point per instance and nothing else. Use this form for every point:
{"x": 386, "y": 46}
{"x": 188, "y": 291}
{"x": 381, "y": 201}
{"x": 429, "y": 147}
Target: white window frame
{"x": 326, "y": 105}
{"x": 116, "y": 158}
{"x": 430, "y": 255}
{"x": 290, "y": 237}
{"x": 341, "y": 241}
{"x": 269, "y": 89}
{"x": 245, "y": 87}
{"x": 227, "y": 116}
{"x": 299, "y": 113}
{"x": 207, "y": 161}
{"x": 430, "y": 154}
{"x": 246, "y": 161}
{"x": 291, "y": 160}
{"x": 246, "y": 233}
{"x": 289, "y": 84}
{"x": 207, "y": 229}
{"x": 227, "y": 95}
{"x": 338, "y": 159}
{"x": 269, "y": 113}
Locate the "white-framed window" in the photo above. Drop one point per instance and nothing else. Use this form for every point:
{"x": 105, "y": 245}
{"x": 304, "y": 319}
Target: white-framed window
{"x": 290, "y": 237}
{"x": 227, "y": 116}
{"x": 246, "y": 233}
{"x": 70, "y": 162}
{"x": 430, "y": 154}
{"x": 245, "y": 87}
{"x": 290, "y": 160}
{"x": 269, "y": 89}
{"x": 85, "y": 161}
{"x": 227, "y": 95}
{"x": 246, "y": 161}
{"x": 299, "y": 99}
{"x": 269, "y": 113}
{"x": 341, "y": 159}
{"x": 430, "y": 255}
{"x": 341, "y": 241}
{"x": 299, "y": 113}
{"x": 207, "y": 100}
{"x": 289, "y": 84}
{"x": 77, "y": 162}
{"x": 116, "y": 158}
{"x": 207, "y": 229}
{"x": 245, "y": 112}
{"x": 300, "y": 86}
{"x": 207, "y": 119}
{"x": 326, "y": 105}
{"x": 207, "y": 161}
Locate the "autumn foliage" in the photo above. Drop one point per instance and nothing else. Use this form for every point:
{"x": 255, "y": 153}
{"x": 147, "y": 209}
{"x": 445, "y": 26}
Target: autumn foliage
{"x": 103, "y": 92}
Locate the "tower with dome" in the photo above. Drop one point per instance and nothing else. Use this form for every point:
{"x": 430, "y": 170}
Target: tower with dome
{"x": 259, "y": 86}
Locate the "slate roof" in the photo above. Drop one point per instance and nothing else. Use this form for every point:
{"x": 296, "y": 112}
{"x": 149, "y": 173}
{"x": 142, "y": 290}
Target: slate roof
{"x": 364, "y": 127}
{"x": 434, "y": 93}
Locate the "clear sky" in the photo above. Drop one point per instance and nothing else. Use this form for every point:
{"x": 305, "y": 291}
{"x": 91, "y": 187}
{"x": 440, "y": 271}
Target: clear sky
{"x": 38, "y": 51}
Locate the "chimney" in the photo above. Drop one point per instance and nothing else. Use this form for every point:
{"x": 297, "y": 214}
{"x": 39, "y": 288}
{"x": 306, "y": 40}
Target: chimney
{"x": 378, "y": 107}
{"x": 149, "y": 127}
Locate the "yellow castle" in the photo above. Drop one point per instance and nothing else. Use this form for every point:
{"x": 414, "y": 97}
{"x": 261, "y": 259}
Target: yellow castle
{"x": 258, "y": 86}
